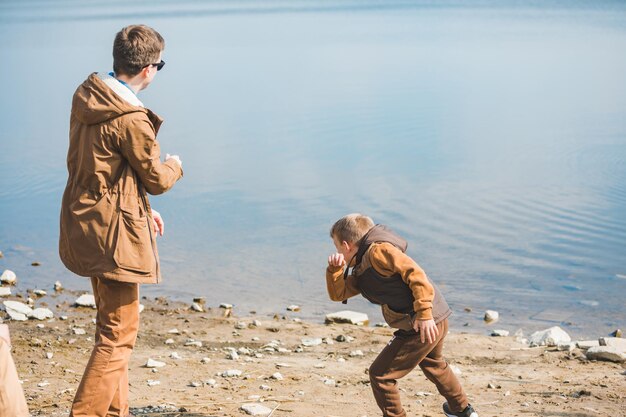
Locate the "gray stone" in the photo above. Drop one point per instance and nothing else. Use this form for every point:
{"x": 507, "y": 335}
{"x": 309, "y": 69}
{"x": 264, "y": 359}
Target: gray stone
{"x": 491, "y": 316}
{"x": 41, "y": 314}
{"x": 616, "y": 342}
{"x": 606, "y": 353}
{"x": 549, "y": 337}
{"x": 256, "y": 409}
{"x": 347, "y": 316}
{"x": 8, "y": 277}
{"x": 86, "y": 300}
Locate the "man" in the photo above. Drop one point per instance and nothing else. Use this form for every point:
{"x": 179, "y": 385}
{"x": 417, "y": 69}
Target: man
{"x": 108, "y": 230}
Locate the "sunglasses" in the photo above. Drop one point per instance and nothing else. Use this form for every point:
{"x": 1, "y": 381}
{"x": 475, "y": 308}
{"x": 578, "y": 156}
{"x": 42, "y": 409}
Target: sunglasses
{"x": 158, "y": 65}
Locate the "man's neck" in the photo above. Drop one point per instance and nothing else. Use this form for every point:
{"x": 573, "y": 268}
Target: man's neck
{"x": 134, "y": 83}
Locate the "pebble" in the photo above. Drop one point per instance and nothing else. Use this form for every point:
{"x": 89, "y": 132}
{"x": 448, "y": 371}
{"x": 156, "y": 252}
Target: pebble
{"x": 43, "y": 384}
{"x": 491, "y": 316}
{"x": 63, "y": 318}
{"x": 5, "y": 291}
{"x": 241, "y": 325}
{"x": 312, "y": 341}
{"x": 197, "y": 307}
{"x": 195, "y": 384}
{"x": 8, "y": 277}
{"x": 151, "y": 363}
{"x": 330, "y": 382}
{"x": 78, "y": 331}
{"x": 616, "y": 333}
{"x": 17, "y": 307}
{"x": 195, "y": 343}
{"x": 277, "y": 376}
{"x": 343, "y": 338}
{"x": 265, "y": 388}
{"x": 86, "y": 300}
{"x": 205, "y": 360}
{"x": 293, "y": 307}
{"x": 255, "y": 409}
{"x": 232, "y": 373}
{"x": 175, "y": 355}
{"x": 39, "y": 293}
{"x": 232, "y": 355}
{"x": 58, "y": 286}
{"x": 500, "y": 333}
{"x": 549, "y": 337}
{"x": 356, "y": 353}
{"x": 173, "y": 331}
{"x": 347, "y": 316}
{"x": 49, "y": 355}
{"x": 423, "y": 394}
{"x": 41, "y": 314}
{"x": 211, "y": 382}
{"x": 226, "y": 306}
{"x": 152, "y": 383}
{"x": 169, "y": 342}
{"x": 141, "y": 308}
{"x": 40, "y": 326}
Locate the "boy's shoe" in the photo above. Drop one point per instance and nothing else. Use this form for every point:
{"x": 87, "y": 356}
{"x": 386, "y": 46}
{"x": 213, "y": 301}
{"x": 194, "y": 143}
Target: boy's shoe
{"x": 468, "y": 412}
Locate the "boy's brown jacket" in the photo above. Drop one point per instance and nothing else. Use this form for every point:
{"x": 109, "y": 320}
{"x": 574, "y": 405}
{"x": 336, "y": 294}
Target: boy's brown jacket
{"x": 113, "y": 159}
{"x": 383, "y": 251}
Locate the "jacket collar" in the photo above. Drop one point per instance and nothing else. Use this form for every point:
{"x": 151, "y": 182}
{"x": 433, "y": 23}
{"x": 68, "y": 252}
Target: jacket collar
{"x": 120, "y": 89}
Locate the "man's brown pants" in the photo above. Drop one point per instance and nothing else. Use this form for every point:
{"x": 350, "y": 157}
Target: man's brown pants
{"x": 401, "y": 355}
{"x": 103, "y": 391}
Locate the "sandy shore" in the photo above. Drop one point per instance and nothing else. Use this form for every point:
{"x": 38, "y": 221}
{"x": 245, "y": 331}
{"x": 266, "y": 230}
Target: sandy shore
{"x": 500, "y": 375}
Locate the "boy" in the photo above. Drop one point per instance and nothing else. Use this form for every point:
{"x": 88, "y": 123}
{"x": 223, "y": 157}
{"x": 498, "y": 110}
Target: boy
{"x": 12, "y": 401}
{"x": 385, "y": 275}
{"x": 108, "y": 230}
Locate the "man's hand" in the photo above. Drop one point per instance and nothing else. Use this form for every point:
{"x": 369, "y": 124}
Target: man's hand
{"x": 4, "y": 333}
{"x": 427, "y": 330}
{"x": 157, "y": 223}
{"x": 336, "y": 259}
{"x": 174, "y": 157}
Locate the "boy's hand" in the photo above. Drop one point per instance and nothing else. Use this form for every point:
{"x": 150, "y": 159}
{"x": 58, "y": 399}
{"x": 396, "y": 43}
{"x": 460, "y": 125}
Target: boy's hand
{"x": 4, "y": 333}
{"x": 157, "y": 223}
{"x": 427, "y": 330}
{"x": 174, "y": 157}
{"x": 336, "y": 259}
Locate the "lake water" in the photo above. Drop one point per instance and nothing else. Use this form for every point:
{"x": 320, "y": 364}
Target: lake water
{"x": 492, "y": 137}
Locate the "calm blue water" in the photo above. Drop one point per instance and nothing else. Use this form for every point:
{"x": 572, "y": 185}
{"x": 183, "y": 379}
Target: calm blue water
{"x": 491, "y": 135}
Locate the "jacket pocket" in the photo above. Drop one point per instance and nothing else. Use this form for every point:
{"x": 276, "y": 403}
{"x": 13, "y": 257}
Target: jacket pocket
{"x": 397, "y": 320}
{"x": 133, "y": 249}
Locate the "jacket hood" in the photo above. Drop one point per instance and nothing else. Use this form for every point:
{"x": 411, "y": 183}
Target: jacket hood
{"x": 379, "y": 233}
{"x": 101, "y": 98}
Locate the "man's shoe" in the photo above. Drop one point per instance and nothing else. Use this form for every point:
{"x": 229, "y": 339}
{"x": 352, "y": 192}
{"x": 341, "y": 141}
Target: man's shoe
{"x": 468, "y": 412}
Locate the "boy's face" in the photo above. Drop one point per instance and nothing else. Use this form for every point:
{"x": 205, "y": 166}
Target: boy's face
{"x": 347, "y": 249}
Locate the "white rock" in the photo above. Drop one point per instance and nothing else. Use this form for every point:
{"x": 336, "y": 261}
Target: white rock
{"x": 58, "y": 286}
{"x": 293, "y": 307}
{"x": 586, "y": 344}
{"x": 49, "y": 355}
{"x": 78, "y": 331}
{"x": 232, "y": 355}
{"x": 43, "y": 384}
{"x": 232, "y": 373}
{"x": 491, "y": 316}
{"x": 40, "y": 326}
{"x": 5, "y": 291}
{"x": 8, "y": 277}
{"x": 226, "y": 306}
{"x": 312, "y": 341}
{"x": 241, "y": 325}
{"x": 356, "y": 353}
{"x": 195, "y": 384}
{"x": 500, "y": 333}
{"x": 41, "y": 314}
{"x": 277, "y": 376}
{"x": 14, "y": 315}
{"x": 319, "y": 365}
{"x": 63, "y": 317}
{"x": 151, "y": 363}
{"x": 265, "y": 388}
{"x": 255, "y": 409}
{"x": 256, "y": 323}
{"x": 330, "y": 382}
{"x": 17, "y": 307}
{"x": 173, "y": 331}
{"x": 39, "y": 293}
{"x": 566, "y": 346}
{"x": 606, "y": 353}
{"x": 347, "y": 316}
{"x": 616, "y": 342}
{"x": 549, "y": 337}
{"x": 86, "y": 300}
{"x": 169, "y": 342}
{"x": 152, "y": 383}
{"x": 423, "y": 394}
{"x": 141, "y": 308}
{"x": 197, "y": 307}
{"x": 175, "y": 355}
{"x": 195, "y": 343}
{"x": 210, "y": 382}
{"x": 205, "y": 360}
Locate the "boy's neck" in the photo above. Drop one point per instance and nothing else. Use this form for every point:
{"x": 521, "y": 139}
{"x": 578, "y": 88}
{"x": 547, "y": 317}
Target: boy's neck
{"x": 135, "y": 83}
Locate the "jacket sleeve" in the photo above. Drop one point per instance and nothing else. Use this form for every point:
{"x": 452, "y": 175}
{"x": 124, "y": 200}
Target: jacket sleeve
{"x": 140, "y": 147}
{"x": 388, "y": 260}
{"x": 340, "y": 289}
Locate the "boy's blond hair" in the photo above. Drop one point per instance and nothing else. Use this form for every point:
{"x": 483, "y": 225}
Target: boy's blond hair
{"x": 135, "y": 47}
{"x": 351, "y": 228}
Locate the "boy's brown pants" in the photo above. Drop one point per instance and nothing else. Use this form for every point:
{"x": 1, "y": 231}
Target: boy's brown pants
{"x": 401, "y": 355}
{"x": 103, "y": 391}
